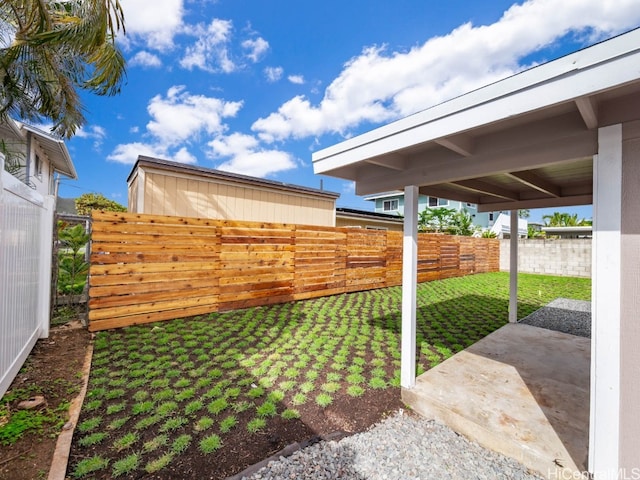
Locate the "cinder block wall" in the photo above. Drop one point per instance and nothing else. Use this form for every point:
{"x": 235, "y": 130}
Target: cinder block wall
{"x": 566, "y": 257}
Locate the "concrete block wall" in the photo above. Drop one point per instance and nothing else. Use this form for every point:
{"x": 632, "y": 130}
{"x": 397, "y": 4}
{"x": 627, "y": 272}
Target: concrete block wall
{"x": 565, "y": 257}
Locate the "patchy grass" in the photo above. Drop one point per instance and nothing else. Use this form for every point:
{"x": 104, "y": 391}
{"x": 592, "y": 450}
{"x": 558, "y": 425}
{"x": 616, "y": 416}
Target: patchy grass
{"x": 160, "y": 391}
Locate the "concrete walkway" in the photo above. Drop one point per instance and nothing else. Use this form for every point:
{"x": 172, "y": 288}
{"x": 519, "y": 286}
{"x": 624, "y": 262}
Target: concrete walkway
{"x": 522, "y": 391}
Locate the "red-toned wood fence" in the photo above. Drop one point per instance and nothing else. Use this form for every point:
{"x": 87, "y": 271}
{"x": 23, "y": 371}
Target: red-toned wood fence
{"x": 146, "y": 268}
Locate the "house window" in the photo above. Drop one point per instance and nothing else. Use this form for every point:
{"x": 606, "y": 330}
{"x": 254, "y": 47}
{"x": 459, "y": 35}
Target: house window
{"x": 38, "y": 168}
{"x": 390, "y": 205}
{"x": 491, "y": 217}
{"x": 438, "y": 202}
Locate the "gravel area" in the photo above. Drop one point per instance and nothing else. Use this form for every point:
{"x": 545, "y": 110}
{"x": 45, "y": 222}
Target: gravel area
{"x": 563, "y": 315}
{"x": 401, "y": 447}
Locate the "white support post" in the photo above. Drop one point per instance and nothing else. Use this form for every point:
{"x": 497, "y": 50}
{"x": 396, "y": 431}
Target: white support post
{"x": 513, "y": 267}
{"x": 44, "y": 272}
{"x": 409, "y": 287}
{"x": 604, "y": 427}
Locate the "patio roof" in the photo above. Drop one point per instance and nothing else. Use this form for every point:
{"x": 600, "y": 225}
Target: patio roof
{"x": 524, "y": 142}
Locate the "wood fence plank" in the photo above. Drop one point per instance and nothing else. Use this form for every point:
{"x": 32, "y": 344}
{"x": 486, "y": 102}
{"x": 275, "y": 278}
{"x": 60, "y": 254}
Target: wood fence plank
{"x": 147, "y": 268}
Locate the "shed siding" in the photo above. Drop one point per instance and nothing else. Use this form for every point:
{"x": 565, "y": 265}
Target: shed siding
{"x": 181, "y": 195}
{"x": 133, "y": 196}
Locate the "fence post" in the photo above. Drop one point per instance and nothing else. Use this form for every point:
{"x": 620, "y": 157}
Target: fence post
{"x": 44, "y": 272}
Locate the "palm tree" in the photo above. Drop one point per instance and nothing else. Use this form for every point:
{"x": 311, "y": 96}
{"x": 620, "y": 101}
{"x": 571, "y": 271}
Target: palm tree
{"x": 50, "y": 49}
{"x": 558, "y": 219}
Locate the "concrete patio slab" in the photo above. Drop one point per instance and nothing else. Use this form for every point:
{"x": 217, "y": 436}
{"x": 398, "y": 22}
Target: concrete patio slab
{"x": 522, "y": 391}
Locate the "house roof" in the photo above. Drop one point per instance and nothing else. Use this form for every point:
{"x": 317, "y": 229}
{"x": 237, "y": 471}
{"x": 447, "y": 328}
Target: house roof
{"x": 579, "y": 230}
{"x": 177, "y": 167}
{"x": 524, "y": 142}
{"x": 55, "y": 149}
{"x": 364, "y": 214}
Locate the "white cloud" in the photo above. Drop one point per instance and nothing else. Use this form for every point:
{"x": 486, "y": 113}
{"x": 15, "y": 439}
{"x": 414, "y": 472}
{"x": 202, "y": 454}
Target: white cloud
{"x": 128, "y": 153}
{"x": 145, "y": 59}
{"x": 379, "y": 86}
{"x": 349, "y": 187}
{"x": 180, "y": 116}
{"x": 184, "y": 156}
{"x": 273, "y": 74}
{"x": 296, "y": 79}
{"x": 210, "y": 52}
{"x": 255, "y": 48}
{"x": 154, "y": 26}
{"x": 92, "y": 132}
{"x": 177, "y": 119}
{"x": 246, "y": 156}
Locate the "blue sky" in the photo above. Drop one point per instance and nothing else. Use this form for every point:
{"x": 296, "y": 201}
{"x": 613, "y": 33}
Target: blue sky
{"x": 255, "y": 87}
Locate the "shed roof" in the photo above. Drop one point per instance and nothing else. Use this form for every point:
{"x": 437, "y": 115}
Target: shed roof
{"x": 524, "y": 142}
{"x": 365, "y": 214}
{"x": 220, "y": 175}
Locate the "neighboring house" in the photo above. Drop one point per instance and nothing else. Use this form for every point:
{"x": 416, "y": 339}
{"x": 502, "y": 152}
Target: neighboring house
{"x": 393, "y": 203}
{"x": 40, "y": 155}
{"x": 162, "y": 187}
{"x": 501, "y": 226}
{"x": 351, "y": 217}
{"x": 583, "y": 231}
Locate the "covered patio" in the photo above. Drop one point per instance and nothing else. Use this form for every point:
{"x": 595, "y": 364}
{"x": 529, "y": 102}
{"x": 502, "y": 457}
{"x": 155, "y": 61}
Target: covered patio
{"x": 560, "y": 134}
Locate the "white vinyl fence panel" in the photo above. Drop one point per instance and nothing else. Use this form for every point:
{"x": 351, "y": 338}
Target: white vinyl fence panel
{"x": 26, "y": 223}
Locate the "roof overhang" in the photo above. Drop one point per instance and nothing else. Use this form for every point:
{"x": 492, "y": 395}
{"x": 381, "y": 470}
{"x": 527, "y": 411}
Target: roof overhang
{"x": 55, "y": 150}
{"x": 524, "y": 142}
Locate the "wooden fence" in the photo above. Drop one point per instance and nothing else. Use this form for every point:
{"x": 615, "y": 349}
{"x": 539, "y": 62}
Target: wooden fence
{"x": 147, "y": 268}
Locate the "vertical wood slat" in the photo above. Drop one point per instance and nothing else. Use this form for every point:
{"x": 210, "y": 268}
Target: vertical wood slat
{"x": 147, "y": 268}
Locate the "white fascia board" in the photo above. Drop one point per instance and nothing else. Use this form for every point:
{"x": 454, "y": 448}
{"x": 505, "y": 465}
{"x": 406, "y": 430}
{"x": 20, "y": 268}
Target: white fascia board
{"x": 384, "y": 195}
{"x": 595, "y": 69}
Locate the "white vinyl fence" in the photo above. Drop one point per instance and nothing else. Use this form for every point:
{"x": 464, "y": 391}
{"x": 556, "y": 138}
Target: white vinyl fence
{"x": 26, "y": 223}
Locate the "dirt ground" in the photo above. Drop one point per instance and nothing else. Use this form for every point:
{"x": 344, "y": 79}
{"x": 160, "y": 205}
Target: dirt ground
{"x": 53, "y": 371}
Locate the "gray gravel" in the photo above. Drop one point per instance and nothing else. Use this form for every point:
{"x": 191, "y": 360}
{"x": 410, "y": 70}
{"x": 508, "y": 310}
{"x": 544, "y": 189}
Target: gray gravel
{"x": 406, "y": 447}
{"x": 563, "y": 315}
{"x": 401, "y": 447}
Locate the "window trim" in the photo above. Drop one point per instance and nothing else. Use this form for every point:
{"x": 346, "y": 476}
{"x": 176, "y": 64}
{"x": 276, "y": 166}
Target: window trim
{"x": 391, "y": 203}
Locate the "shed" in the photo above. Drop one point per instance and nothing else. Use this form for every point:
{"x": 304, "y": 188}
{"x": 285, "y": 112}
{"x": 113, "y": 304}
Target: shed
{"x": 162, "y": 187}
{"x": 563, "y": 133}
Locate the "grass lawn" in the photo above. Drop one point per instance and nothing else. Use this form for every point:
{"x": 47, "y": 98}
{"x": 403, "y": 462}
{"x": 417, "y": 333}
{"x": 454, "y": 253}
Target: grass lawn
{"x": 212, "y": 394}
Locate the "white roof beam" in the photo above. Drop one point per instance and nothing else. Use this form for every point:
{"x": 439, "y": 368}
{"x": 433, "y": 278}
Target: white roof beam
{"x": 580, "y": 145}
{"x": 449, "y": 194}
{"x": 537, "y": 203}
{"x": 394, "y": 163}
{"x": 484, "y": 188}
{"x": 461, "y": 144}
{"x": 588, "y": 108}
{"x": 532, "y": 180}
